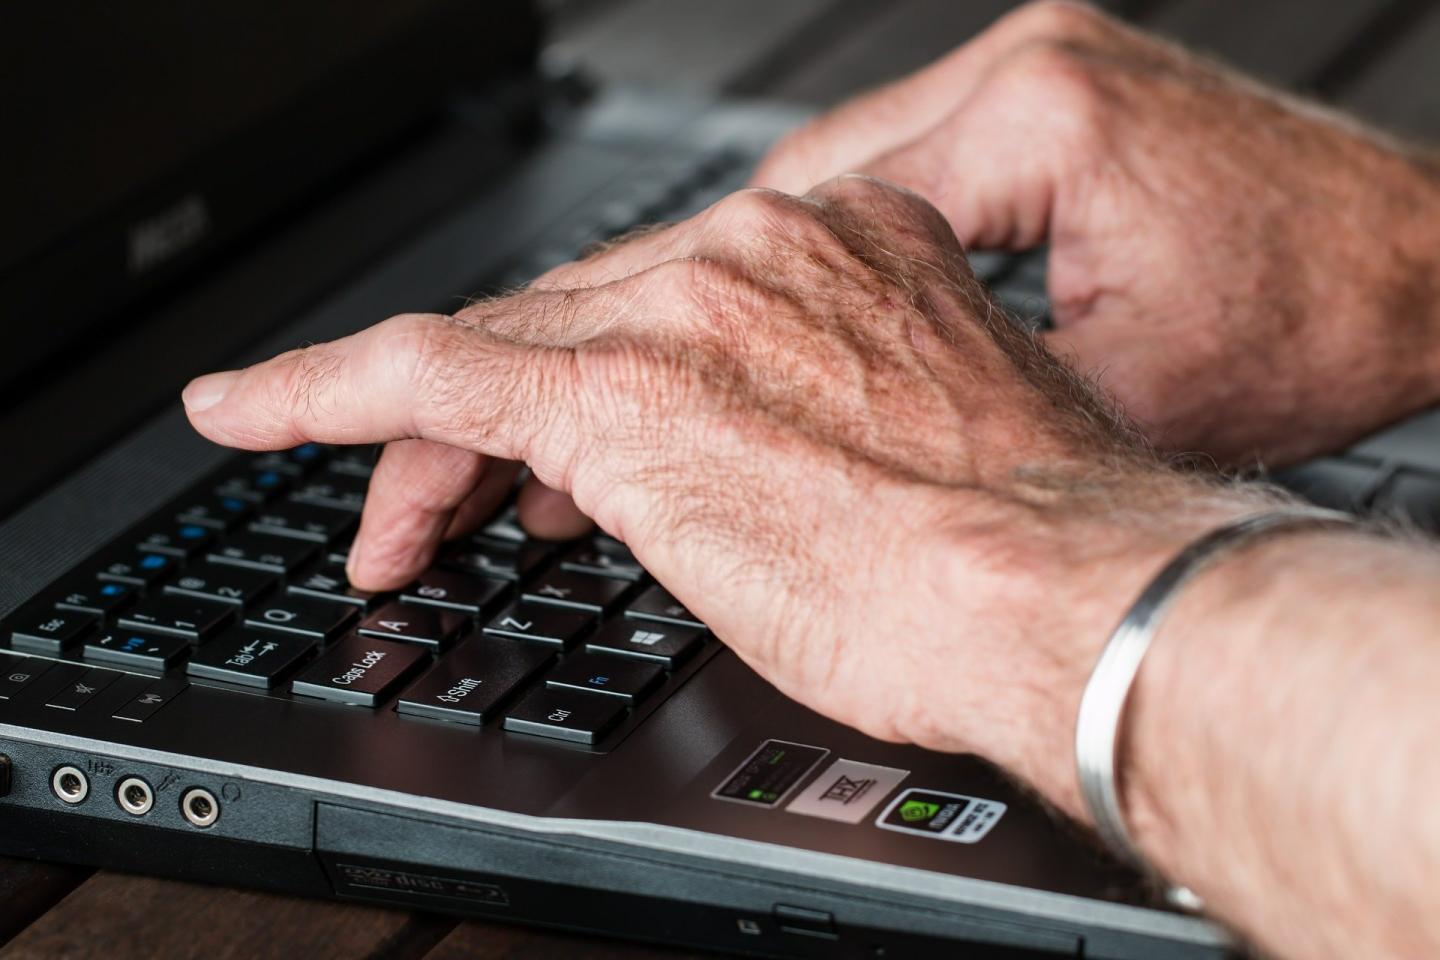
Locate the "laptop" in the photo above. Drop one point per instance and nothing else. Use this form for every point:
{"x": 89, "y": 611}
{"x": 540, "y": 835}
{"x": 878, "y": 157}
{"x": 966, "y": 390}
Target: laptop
{"x": 532, "y": 732}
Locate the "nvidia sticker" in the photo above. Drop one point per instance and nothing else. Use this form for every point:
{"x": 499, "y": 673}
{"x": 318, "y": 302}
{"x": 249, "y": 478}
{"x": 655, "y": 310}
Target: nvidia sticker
{"x": 944, "y": 816}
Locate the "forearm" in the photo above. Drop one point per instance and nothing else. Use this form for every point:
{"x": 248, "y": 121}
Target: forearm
{"x": 1281, "y": 758}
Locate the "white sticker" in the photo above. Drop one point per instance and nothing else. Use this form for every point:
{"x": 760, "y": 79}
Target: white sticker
{"x": 847, "y": 791}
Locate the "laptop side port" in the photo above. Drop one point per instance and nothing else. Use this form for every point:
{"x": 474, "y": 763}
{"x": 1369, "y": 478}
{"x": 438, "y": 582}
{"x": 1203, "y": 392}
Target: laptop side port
{"x": 135, "y": 796}
{"x": 70, "y": 784}
{"x": 200, "y": 807}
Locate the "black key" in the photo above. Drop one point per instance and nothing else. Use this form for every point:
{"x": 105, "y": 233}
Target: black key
{"x": 77, "y": 693}
{"x": 177, "y": 539}
{"x": 256, "y": 486}
{"x": 472, "y": 681}
{"x": 134, "y": 567}
{"x": 259, "y": 552}
{"x": 17, "y": 673}
{"x": 195, "y": 620}
{"x": 591, "y": 558}
{"x": 303, "y": 616}
{"x": 497, "y": 558}
{"x": 506, "y": 526}
{"x": 553, "y": 625}
{"x": 151, "y": 699}
{"x": 565, "y": 715}
{"x": 251, "y": 657}
{"x": 339, "y": 551}
{"x": 221, "y": 582}
{"x": 93, "y": 596}
{"x": 215, "y": 512}
{"x": 360, "y": 670}
{"x": 295, "y": 462}
{"x": 661, "y": 643}
{"x": 565, "y": 588}
{"x": 50, "y": 632}
{"x": 129, "y": 649}
{"x": 329, "y": 581}
{"x": 334, "y": 490}
{"x": 628, "y": 680}
{"x": 353, "y": 461}
{"x": 302, "y": 521}
{"x": 428, "y": 626}
{"x": 456, "y": 591}
{"x": 656, "y": 603}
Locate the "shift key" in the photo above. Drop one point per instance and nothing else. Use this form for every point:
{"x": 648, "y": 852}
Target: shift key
{"x": 474, "y": 679}
{"x": 362, "y": 671}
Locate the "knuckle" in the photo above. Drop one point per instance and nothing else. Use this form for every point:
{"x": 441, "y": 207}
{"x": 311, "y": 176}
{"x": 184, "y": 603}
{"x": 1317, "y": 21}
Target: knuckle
{"x": 717, "y": 293}
{"x": 758, "y": 211}
{"x": 1059, "y": 18}
{"x": 1055, "y": 80}
{"x": 305, "y": 377}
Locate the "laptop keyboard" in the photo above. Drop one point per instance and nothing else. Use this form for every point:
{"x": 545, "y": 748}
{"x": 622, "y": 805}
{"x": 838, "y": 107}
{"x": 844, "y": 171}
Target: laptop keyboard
{"x": 240, "y": 583}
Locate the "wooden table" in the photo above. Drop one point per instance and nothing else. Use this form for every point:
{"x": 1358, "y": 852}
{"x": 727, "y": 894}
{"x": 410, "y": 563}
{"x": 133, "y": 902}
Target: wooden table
{"x": 1374, "y": 56}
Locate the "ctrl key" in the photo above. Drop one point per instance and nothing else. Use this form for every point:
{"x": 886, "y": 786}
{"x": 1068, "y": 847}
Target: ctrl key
{"x": 563, "y": 715}
{"x": 361, "y": 671}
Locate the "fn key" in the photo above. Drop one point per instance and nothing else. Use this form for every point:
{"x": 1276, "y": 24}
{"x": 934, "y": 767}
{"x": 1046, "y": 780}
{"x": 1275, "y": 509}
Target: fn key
{"x": 563, "y": 715}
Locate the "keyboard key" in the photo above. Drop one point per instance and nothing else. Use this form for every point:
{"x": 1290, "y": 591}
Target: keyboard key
{"x": 656, "y": 603}
{"x": 151, "y": 699}
{"x": 497, "y": 558}
{"x": 361, "y": 671}
{"x": 134, "y": 567}
{"x": 506, "y": 526}
{"x": 259, "y": 552}
{"x": 302, "y": 521}
{"x": 1415, "y": 496}
{"x": 591, "y": 558}
{"x": 629, "y": 680}
{"x": 555, "y": 626}
{"x": 250, "y": 657}
{"x": 77, "y": 693}
{"x": 92, "y": 596}
{"x": 295, "y": 462}
{"x": 354, "y": 461}
{"x": 256, "y": 486}
{"x": 330, "y": 582}
{"x": 178, "y": 540}
{"x": 303, "y": 616}
{"x": 456, "y": 591}
{"x": 565, "y": 715}
{"x": 472, "y": 681}
{"x": 223, "y": 583}
{"x": 215, "y": 512}
{"x": 661, "y": 643}
{"x": 427, "y": 626}
{"x": 565, "y": 588}
{"x": 334, "y": 490}
{"x": 195, "y": 620}
{"x": 128, "y": 649}
{"x": 50, "y": 632}
{"x": 17, "y": 673}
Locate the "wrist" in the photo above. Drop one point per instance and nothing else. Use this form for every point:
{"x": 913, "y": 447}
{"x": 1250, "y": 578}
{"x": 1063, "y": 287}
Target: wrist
{"x": 1031, "y": 595}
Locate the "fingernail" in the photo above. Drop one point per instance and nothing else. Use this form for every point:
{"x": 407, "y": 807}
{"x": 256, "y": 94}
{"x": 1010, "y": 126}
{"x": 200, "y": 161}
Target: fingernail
{"x": 352, "y": 561}
{"x": 202, "y": 393}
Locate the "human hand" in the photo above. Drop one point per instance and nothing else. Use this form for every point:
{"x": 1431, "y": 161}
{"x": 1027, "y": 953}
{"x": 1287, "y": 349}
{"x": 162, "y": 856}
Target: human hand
{"x": 808, "y": 422}
{"x": 1251, "y": 276}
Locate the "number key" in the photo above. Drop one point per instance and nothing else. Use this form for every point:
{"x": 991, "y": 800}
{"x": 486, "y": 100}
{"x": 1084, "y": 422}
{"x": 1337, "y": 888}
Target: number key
{"x": 224, "y": 582}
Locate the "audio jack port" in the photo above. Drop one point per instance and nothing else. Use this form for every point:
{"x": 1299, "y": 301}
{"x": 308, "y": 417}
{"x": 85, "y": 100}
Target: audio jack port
{"x": 135, "y": 796}
{"x": 200, "y": 807}
{"x": 70, "y": 784}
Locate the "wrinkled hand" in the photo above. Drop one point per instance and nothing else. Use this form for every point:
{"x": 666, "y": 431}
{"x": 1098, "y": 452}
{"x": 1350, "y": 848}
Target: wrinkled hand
{"x": 808, "y": 422}
{"x": 1250, "y": 276}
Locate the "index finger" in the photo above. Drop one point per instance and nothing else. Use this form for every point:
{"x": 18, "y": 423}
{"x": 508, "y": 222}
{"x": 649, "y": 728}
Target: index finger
{"x": 416, "y": 375}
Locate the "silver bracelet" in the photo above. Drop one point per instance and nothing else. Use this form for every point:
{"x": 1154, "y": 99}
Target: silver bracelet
{"x": 1102, "y": 706}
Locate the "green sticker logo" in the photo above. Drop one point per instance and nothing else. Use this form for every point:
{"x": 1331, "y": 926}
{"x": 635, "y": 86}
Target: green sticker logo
{"x": 914, "y": 811}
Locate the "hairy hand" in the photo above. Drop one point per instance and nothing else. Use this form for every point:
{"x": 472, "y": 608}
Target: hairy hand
{"x": 1251, "y": 276}
{"x": 808, "y": 422}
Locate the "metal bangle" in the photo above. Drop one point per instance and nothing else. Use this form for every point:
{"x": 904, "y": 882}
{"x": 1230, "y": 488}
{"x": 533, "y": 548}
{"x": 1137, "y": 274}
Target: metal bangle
{"x": 1102, "y": 706}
